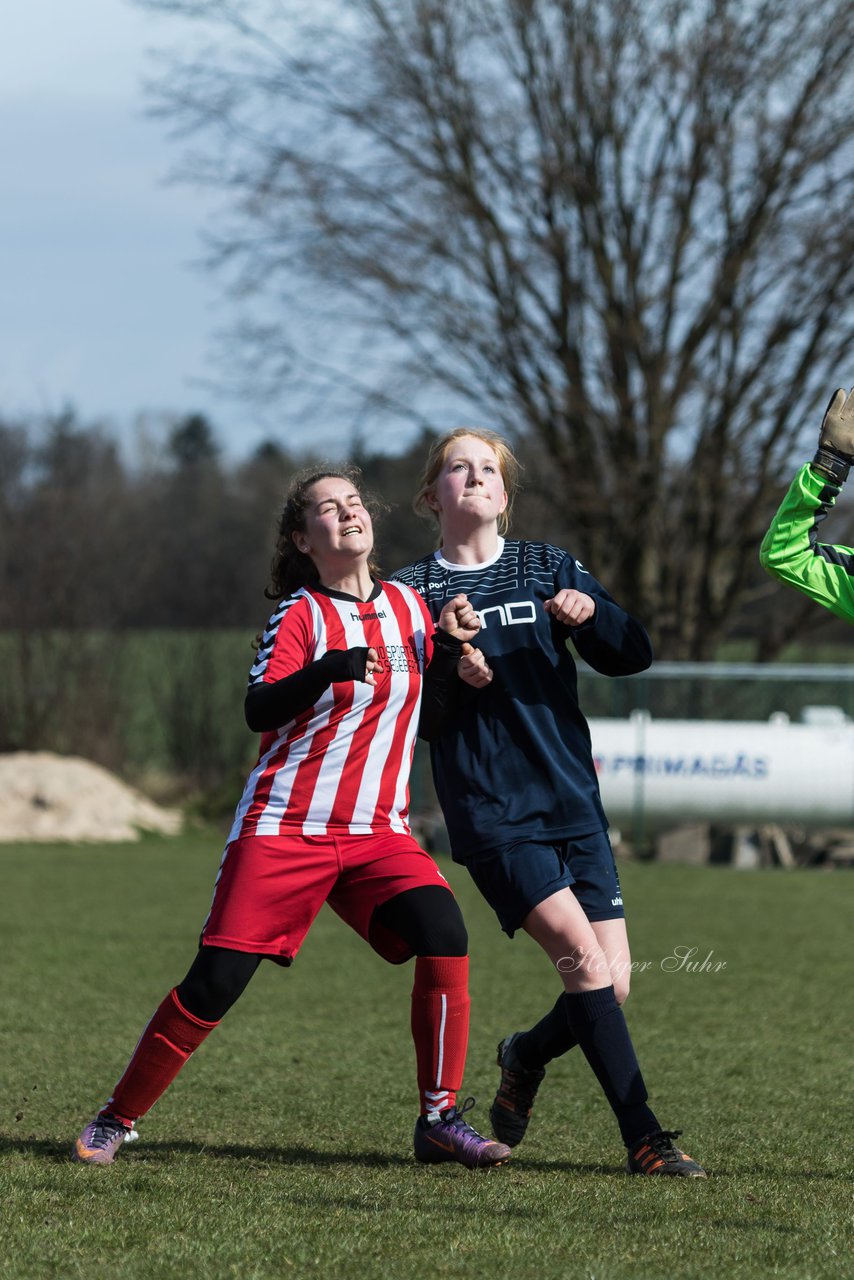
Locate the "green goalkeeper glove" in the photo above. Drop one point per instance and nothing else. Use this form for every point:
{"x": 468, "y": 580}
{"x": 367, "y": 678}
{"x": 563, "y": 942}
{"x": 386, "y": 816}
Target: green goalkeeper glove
{"x": 835, "y": 451}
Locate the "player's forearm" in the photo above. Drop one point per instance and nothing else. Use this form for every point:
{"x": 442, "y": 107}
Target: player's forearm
{"x": 442, "y": 686}
{"x": 270, "y": 705}
{"x": 792, "y": 552}
{"x": 614, "y": 643}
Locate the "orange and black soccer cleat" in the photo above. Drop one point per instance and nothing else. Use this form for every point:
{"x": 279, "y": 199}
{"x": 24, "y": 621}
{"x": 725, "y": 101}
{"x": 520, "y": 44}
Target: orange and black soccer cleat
{"x": 656, "y": 1154}
{"x": 511, "y": 1109}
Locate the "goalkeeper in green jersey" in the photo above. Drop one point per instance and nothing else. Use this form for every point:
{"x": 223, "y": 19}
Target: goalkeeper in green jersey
{"x": 790, "y": 549}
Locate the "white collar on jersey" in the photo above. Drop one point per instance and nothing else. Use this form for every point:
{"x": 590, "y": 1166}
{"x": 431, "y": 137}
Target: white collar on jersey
{"x": 470, "y": 568}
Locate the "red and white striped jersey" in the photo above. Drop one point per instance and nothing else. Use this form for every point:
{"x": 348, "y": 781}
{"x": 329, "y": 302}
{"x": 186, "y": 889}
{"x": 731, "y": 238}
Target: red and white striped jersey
{"x": 344, "y": 764}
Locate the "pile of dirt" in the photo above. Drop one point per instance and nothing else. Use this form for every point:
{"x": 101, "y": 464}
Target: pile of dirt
{"x": 48, "y": 797}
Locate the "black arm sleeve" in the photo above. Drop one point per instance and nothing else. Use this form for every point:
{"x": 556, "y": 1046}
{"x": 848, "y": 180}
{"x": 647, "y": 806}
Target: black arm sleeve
{"x": 442, "y": 685}
{"x": 269, "y": 706}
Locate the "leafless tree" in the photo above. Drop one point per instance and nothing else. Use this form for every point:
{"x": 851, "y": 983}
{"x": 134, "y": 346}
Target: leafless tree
{"x": 620, "y": 227}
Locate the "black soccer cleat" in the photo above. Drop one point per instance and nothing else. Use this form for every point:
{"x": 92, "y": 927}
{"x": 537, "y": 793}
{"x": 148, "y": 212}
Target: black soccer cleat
{"x": 655, "y": 1154}
{"x": 511, "y": 1108}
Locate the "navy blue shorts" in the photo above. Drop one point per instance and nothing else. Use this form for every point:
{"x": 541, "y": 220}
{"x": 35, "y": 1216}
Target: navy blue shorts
{"x": 515, "y": 878}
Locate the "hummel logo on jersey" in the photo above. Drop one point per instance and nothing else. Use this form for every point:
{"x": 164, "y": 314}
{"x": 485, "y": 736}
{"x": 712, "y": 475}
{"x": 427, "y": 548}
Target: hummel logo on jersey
{"x": 513, "y": 614}
{"x": 376, "y": 616}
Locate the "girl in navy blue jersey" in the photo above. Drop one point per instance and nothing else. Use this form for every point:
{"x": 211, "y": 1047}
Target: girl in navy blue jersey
{"x": 515, "y": 776}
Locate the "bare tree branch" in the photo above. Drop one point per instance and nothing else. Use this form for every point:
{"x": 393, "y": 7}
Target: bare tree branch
{"x": 620, "y": 227}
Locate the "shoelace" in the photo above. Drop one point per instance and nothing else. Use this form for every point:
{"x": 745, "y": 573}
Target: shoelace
{"x": 459, "y": 1123}
{"x": 105, "y": 1131}
{"x": 524, "y": 1085}
{"x": 662, "y": 1143}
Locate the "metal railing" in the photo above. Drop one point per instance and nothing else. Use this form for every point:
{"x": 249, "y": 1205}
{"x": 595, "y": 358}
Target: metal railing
{"x": 718, "y": 691}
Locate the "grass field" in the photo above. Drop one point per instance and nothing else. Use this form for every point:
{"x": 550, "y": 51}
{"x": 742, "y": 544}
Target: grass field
{"x": 284, "y": 1149}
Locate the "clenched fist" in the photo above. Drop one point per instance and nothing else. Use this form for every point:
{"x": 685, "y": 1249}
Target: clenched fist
{"x": 571, "y": 607}
{"x": 458, "y": 618}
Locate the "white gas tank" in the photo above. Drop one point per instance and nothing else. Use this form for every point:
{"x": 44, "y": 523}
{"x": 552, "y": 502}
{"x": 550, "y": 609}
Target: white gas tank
{"x": 729, "y": 771}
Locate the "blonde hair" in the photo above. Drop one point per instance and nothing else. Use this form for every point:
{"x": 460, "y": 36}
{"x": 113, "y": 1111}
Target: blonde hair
{"x": 511, "y": 469}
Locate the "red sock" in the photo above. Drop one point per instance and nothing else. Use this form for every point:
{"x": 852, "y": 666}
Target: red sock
{"x": 164, "y": 1047}
{"x": 440, "y": 1028}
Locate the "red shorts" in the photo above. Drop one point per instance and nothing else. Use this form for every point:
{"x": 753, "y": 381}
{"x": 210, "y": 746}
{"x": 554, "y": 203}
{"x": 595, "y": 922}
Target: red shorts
{"x": 270, "y": 888}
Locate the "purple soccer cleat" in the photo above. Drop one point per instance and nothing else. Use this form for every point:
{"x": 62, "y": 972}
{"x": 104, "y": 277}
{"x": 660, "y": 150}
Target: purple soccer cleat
{"x": 100, "y": 1141}
{"x": 450, "y": 1138}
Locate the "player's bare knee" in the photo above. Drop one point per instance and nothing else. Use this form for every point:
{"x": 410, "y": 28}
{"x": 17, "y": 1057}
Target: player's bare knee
{"x": 622, "y": 985}
{"x": 585, "y": 967}
{"x": 571, "y": 962}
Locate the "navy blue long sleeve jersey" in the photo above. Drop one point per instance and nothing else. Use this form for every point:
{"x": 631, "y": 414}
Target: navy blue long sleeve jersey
{"x": 514, "y": 761}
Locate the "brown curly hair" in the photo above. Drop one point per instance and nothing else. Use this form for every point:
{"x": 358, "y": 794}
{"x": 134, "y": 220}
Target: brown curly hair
{"x": 291, "y": 568}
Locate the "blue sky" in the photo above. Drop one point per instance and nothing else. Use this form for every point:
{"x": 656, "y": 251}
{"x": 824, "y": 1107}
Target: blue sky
{"x": 102, "y": 306}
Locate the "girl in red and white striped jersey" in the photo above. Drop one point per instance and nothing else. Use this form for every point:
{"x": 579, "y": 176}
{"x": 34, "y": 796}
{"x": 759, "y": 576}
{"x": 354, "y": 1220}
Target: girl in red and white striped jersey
{"x": 348, "y": 670}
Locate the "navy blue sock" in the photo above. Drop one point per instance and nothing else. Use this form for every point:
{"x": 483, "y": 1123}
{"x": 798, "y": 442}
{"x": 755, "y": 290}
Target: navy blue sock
{"x": 547, "y": 1040}
{"x": 597, "y": 1022}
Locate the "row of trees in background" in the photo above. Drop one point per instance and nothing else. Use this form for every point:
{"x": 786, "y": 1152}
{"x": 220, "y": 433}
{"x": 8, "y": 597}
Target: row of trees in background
{"x": 88, "y": 542}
